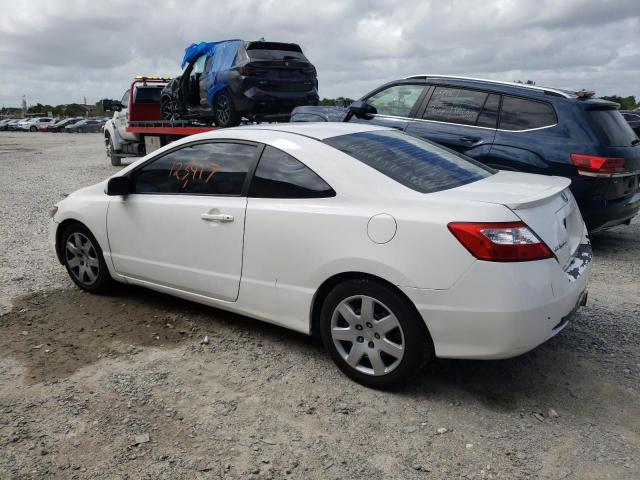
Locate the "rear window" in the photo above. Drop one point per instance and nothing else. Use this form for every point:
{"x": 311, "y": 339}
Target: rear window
{"x": 521, "y": 114}
{"x": 611, "y": 128}
{"x": 274, "y": 51}
{"x": 148, "y": 95}
{"x": 410, "y": 161}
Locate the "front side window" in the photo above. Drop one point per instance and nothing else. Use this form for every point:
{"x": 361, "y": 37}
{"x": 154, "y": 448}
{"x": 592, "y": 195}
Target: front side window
{"x": 455, "y": 105}
{"x": 397, "y": 101}
{"x": 410, "y": 161}
{"x": 125, "y": 99}
{"x": 201, "y": 169}
{"x": 521, "y": 114}
{"x": 279, "y": 175}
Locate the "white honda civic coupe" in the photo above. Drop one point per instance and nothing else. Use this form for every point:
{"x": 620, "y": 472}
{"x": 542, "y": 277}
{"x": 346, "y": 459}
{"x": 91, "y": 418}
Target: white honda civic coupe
{"x": 389, "y": 247}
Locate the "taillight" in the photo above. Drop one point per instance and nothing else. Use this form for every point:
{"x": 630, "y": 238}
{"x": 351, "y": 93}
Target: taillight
{"x": 594, "y": 166}
{"x": 500, "y": 241}
{"x": 309, "y": 71}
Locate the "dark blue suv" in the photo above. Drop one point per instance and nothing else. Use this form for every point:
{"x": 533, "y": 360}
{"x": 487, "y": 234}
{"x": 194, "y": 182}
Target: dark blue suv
{"x": 513, "y": 126}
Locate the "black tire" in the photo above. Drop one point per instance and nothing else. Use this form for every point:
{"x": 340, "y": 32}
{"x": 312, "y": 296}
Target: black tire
{"x": 79, "y": 130}
{"x": 90, "y": 257}
{"x": 224, "y": 112}
{"x": 411, "y": 333}
{"x": 33, "y": 129}
{"x": 116, "y": 160}
{"x": 169, "y": 109}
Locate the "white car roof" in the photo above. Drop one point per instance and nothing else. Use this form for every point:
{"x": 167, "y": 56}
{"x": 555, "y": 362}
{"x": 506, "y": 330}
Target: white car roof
{"x": 317, "y": 130}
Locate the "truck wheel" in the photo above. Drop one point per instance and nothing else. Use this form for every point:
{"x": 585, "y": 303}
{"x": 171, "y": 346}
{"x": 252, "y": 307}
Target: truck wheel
{"x": 224, "y": 112}
{"x": 116, "y": 160}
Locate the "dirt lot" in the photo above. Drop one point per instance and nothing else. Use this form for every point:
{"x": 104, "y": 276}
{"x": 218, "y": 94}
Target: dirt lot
{"x": 121, "y": 386}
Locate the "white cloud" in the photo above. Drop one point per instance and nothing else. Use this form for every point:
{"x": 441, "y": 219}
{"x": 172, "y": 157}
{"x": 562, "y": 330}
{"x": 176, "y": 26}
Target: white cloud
{"x": 59, "y": 52}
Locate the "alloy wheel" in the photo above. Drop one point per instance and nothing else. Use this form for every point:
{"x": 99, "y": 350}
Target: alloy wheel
{"x": 82, "y": 258}
{"x": 367, "y": 335}
{"x": 223, "y": 109}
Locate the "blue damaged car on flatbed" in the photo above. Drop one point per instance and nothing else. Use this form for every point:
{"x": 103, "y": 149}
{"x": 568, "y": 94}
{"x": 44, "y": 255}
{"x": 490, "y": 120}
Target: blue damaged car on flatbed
{"x": 512, "y": 126}
{"x": 225, "y": 81}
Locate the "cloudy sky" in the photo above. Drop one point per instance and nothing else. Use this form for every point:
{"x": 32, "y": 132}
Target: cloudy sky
{"x": 61, "y": 51}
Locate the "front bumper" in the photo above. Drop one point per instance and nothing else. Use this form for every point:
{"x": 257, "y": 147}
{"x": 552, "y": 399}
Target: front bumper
{"x": 501, "y": 310}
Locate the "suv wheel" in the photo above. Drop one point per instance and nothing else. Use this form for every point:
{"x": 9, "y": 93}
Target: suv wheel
{"x": 169, "y": 109}
{"x": 33, "y": 129}
{"x": 224, "y": 112}
{"x": 116, "y": 160}
{"x": 83, "y": 258}
{"x": 373, "y": 334}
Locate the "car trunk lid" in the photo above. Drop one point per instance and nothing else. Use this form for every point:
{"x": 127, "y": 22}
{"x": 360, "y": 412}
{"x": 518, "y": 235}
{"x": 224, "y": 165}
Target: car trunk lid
{"x": 544, "y": 203}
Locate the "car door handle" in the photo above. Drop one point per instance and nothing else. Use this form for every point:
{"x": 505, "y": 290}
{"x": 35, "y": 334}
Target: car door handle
{"x": 216, "y": 217}
{"x": 469, "y": 139}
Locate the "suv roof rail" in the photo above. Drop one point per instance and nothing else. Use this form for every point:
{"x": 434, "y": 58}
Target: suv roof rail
{"x": 498, "y": 82}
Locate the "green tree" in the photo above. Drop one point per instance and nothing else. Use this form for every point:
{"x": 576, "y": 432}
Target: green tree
{"x": 626, "y": 103}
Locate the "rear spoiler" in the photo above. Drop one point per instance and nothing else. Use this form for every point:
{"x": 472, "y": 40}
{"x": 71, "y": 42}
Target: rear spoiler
{"x": 559, "y": 184}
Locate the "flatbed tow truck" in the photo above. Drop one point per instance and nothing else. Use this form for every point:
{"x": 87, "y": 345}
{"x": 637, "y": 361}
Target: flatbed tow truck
{"x": 136, "y": 128}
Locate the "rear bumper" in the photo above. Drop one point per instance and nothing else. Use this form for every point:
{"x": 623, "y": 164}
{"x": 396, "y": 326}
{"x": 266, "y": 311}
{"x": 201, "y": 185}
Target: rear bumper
{"x": 255, "y": 100}
{"x": 606, "y": 202}
{"x": 501, "y": 310}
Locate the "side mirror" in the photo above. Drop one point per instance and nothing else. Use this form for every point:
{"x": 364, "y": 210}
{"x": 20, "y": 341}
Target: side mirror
{"x": 119, "y": 186}
{"x": 362, "y": 109}
{"x": 116, "y": 106}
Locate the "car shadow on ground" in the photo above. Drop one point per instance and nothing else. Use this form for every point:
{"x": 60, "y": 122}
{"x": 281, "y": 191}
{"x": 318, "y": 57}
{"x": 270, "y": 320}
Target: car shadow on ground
{"x": 58, "y": 332}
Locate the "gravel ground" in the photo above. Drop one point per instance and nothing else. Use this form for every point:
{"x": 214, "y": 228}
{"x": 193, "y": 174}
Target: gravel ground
{"x": 121, "y": 386}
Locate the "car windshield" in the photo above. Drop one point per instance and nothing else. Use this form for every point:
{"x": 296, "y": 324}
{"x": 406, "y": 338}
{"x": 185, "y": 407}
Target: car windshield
{"x": 612, "y": 128}
{"x": 413, "y": 162}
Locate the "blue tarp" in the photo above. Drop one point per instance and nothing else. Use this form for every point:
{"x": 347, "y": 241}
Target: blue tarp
{"x": 224, "y": 57}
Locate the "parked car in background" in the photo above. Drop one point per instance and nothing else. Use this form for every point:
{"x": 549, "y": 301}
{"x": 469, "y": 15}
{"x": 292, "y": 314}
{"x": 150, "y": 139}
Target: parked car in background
{"x": 633, "y": 119}
{"x": 518, "y": 127}
{"x": 44, "y": 126}
{"x": 60, "y": 125}
{"x": 417, "y": 250}
{"x": 33, "y": 124}
{"x": 12, "y": 125}
{"x": 224, "y": 81}
{"x": 87, "y": 125}
{"x": 5, "y": 122}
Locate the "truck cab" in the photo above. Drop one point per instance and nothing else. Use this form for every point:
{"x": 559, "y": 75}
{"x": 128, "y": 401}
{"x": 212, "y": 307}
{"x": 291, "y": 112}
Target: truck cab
{"x": 140, "y": 103}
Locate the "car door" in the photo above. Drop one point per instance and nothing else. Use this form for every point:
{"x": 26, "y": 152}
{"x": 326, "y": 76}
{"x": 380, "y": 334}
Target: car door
{"x": 394, "y": 105}
{"x": 121, "y": 118}
{"x": 183, "y": 227}
{"x": 462, "y": 119}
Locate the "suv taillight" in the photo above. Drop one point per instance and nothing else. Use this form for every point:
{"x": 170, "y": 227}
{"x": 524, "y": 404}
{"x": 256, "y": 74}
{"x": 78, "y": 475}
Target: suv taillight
{"x": 500, "y": 241}
{"x": 594, "y": 166}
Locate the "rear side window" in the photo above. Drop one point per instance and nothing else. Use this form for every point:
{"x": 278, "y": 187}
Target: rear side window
{"x": 397, "y": 100}
{"x": 455, "y": 105}
{"x": 202, "y": 169}
{"x": 489, "y": 116}
{"x": 611, "y": 128}
{"x": 410, "y": 161}
{"x": 279, "y": 175}
{"x": 521, "y": 114}
{"x": 148, "y": 95}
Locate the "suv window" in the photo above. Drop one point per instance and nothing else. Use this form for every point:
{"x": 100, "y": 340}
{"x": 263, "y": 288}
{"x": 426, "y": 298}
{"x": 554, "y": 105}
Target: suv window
{"x": 521, "y": 114}
{"x": 200, "y": 169}
{"x": 455, "y": 105}
{"x": 279, "y": 175}
{"x": 410, "y": 161}
{"x": 397, "y": 100}
{"x": 489, "y": 115}
{"x": 611, "y": 128}
{"x": 125, "y": 99}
